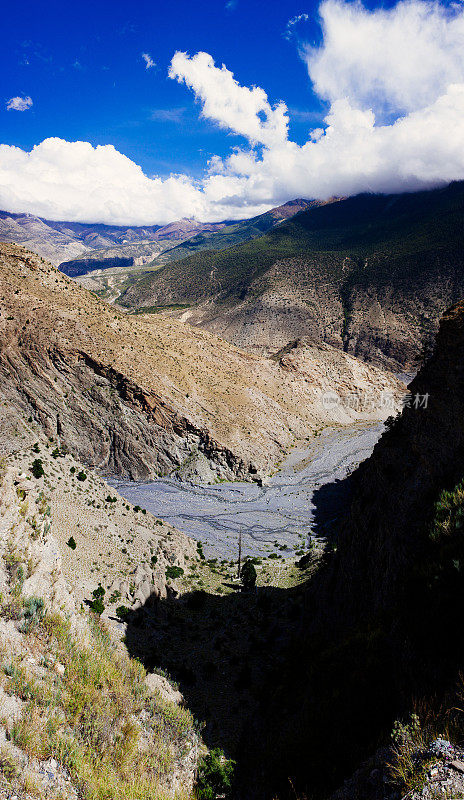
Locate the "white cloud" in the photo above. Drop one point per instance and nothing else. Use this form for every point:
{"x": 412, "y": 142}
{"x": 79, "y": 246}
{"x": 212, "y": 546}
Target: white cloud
{"x": 234, "y": 107}
{"x": 373, "y": 70}
{"x": 75, "y": 181}
{"x": 398, "y": 59}
{"x": 149, "y": 63}
{"x": 168, "y": 114}
{"x": 19, "y": 103}
{"x": 292, "y": 23}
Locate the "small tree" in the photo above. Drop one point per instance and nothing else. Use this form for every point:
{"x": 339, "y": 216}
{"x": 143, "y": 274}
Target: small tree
{"x": 249, "y": 575}
{"x": 96, "y": 605}
{"x": 215, "y": 775}
{"x": 37, "y": 468}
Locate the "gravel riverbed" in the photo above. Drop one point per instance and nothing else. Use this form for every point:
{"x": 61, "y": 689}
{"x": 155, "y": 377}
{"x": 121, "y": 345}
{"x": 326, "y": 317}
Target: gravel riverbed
{"x": 300, "y": 499}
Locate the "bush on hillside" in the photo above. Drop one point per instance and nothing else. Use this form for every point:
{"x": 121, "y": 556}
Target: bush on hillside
{"x": 37, "y": 468}
{"x": 215, "y": 776}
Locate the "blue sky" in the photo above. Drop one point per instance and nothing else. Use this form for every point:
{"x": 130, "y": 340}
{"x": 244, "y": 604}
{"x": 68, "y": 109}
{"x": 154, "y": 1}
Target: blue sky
{"x": 82, "y": 65}
{"x": 348, "y": 97}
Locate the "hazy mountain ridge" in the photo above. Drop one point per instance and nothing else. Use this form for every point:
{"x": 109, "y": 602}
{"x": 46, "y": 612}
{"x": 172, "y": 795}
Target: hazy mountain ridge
{"x": 238, "y": 232}
{"x": 109, "y": 272}
{"x": 61, "y": 241}
{"x": 370, "y": 274}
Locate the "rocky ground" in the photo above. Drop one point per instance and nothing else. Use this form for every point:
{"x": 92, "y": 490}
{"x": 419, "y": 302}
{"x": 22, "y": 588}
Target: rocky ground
{"x": 439, "y": 775}
{"x": 123, "y": 548}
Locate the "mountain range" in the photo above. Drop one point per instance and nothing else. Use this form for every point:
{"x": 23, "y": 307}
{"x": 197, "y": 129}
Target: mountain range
{"x": 59, "y": 241}
{"x": 369, "y": 274}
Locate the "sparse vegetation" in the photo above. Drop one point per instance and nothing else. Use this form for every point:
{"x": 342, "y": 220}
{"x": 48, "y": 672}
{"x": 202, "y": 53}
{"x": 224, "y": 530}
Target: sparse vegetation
{"x": 122, "y": 612}
{"x": 37, "y": 468}
{"x": 96, "y": 718}
{"x": 174, "y": 572}
{"x": 248, "y": 575}
{"x": 96, "y": 604}
{"x": 215, "y": 776}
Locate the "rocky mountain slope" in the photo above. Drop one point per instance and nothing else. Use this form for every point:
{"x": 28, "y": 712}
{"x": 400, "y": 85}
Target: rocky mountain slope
{"x": 78, "y": 718}
{"x": 110, "y": 271}
{"x": 378, "y": 638}
{"x": 141, "y": 396}
{"x": 236, "y": 232}
{"x": 368, "y": 274}
{"x": 61, "y": 241}
{"x": 419, "y": 456}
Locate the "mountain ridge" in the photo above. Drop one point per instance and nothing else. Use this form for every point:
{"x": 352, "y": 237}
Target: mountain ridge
{"x": 370, "y": 274}
{"x": 57, "y": 240}
{"x": 139, "y": 396}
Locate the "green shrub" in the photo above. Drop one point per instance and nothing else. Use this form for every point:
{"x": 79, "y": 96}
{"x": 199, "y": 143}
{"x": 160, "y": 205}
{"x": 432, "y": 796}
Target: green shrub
{"x": 448, "y": 513}
{"x": 37, "y": 468}
{"x": 33, "y": 611}
{"x": 8, "y": 768}
{"x": 174, "y": 572}
{"x": 215, "y": 775}
{"x": 122, "y": 612}
{"x": 248, "y": 575}
{"x": 71, "y": 543}
{"x": 81, "y": 476}
{"x": 96, "y": 604}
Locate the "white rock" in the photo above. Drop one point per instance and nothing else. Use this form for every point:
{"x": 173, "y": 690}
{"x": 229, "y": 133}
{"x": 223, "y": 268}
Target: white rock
{"x": 159, "y": 684}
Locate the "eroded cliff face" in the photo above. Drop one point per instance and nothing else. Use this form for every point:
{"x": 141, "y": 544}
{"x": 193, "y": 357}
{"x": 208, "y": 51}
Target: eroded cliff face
{"x": 382, "y": 616}
{"x": 387, "y": 531}
{"x": 389, "y": 319}
{"x": 140, "y": 396}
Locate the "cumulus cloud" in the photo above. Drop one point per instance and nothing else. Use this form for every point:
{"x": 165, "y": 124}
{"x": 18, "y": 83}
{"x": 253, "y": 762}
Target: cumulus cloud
{"x": 19, "y": 103}
{"x": 149, "y": 63}
{"x": 394, "y": 84}
{"x": 397, "y": 59}
{"x": 234, "y": 107}
{"x": 75, "y": 181}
